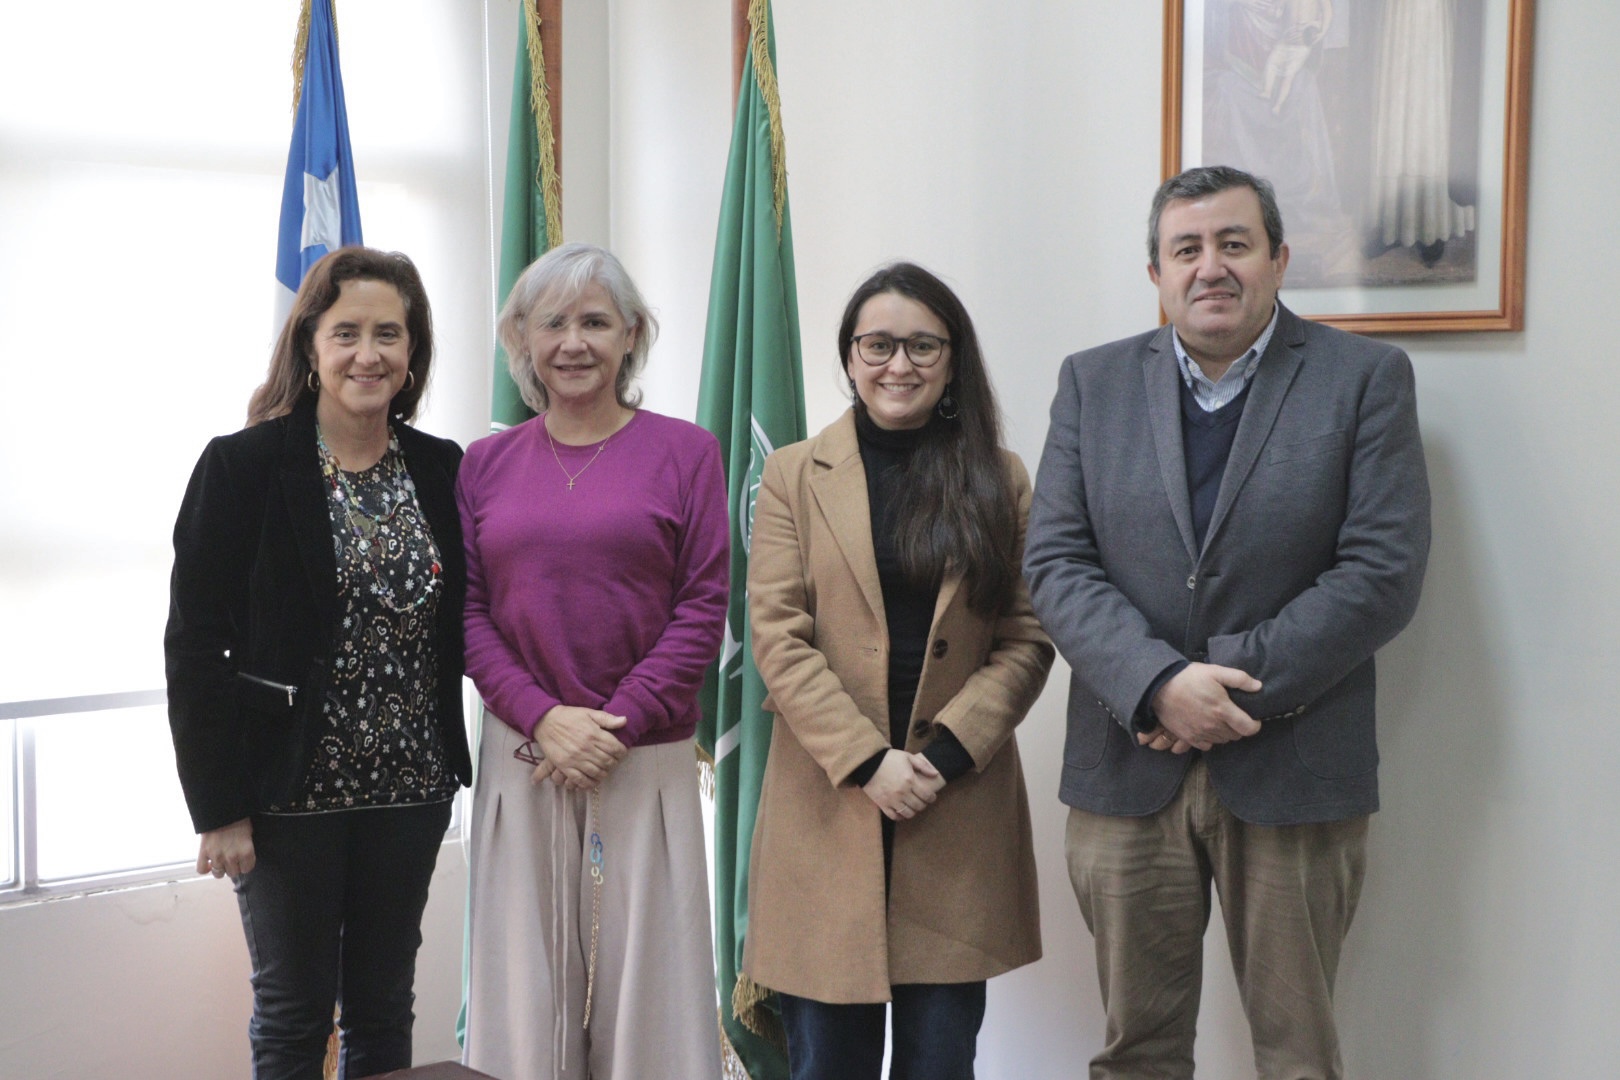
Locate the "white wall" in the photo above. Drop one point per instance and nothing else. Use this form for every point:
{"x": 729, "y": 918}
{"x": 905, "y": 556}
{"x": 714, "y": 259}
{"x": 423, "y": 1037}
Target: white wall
{"x": 152, "y": 983}
{"x": 1017, "y": 148}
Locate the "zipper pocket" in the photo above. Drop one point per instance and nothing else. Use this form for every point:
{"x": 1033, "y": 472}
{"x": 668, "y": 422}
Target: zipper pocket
{"x": 290, "y": 691}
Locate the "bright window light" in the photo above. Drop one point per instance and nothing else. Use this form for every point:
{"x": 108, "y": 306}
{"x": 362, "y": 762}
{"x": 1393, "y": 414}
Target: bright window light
{"x": 141, "y": 161}
{"x": 8, "y": 798}
{"x": 108, "y": 796}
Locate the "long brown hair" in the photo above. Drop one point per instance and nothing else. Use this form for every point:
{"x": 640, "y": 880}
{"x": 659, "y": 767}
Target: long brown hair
{"x": 286, "y": 383}
{"x": 956, "y": 507}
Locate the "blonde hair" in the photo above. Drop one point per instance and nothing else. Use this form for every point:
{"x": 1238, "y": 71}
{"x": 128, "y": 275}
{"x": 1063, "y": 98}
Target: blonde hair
{"x": 552, "y": 282}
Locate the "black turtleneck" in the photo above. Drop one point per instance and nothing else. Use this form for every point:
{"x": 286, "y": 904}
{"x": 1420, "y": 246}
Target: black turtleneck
{"x": 908, "y": 609}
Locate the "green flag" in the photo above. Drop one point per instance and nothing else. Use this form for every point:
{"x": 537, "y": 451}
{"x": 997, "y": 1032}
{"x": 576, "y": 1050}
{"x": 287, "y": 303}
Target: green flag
{"x": 530, "y": 226}
{"x": 752, "y": 398}
{"x": 531, "y": 218}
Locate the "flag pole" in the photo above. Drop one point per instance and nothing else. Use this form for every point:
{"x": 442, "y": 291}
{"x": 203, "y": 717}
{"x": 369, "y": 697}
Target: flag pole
{"x": 740, "y": 37}
{"x": 550, "y": 17}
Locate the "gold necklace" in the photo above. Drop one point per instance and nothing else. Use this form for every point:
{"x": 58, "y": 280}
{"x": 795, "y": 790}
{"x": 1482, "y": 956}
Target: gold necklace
{"x": 575, "y": 476}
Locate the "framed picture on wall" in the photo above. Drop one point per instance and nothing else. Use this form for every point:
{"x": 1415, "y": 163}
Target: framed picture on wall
{"x": 1396, "y": 133}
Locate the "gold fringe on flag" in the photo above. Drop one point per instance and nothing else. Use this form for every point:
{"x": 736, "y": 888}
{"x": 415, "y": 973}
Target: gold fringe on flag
{"x": 765, "y": 78}
{"x": 731, "y": 1066}
{"x": 329, "y": 1064}
{"x": 705, "y": 767}
{"x": 748, "y": 1005}
{"x": 301, "y": 48}
{"x": 540, "y": 102}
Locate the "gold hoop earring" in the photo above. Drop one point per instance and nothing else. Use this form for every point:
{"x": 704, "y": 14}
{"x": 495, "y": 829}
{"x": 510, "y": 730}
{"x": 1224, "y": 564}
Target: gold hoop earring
{"x": 410, "y": 379}
{"x": 313, "y": 381}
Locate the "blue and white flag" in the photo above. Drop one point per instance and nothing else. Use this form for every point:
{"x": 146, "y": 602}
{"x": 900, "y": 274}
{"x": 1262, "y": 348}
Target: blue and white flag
{"x": 319, "y": 209}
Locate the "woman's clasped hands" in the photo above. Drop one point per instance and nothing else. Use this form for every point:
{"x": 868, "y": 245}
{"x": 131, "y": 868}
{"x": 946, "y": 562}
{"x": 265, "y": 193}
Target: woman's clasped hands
{"x": 578, "y": 747}
{"x": 904, "y": 785}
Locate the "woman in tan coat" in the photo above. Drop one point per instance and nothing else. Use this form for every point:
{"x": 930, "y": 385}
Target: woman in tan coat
{"x": 892, "y": 856}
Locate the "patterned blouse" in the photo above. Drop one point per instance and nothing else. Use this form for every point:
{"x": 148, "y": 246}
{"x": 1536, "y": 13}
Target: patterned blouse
{"x": 381, "y": 744}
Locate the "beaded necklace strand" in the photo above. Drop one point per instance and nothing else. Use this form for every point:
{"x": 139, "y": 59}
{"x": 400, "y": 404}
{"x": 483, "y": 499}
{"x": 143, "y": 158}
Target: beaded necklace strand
{"x": 364, "y": 525}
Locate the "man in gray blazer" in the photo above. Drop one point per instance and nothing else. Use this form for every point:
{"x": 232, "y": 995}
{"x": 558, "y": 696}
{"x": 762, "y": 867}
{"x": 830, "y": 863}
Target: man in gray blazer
{"x": 1230, "y": 517}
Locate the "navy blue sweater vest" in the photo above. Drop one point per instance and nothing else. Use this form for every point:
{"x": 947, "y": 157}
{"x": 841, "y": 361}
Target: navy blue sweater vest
{"x": 1206, "y": 440}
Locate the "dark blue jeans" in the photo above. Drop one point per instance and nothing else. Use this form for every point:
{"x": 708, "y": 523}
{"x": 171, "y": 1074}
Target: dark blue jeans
{"x": 333, "y": 913}
{"x": 936, "y": 1029}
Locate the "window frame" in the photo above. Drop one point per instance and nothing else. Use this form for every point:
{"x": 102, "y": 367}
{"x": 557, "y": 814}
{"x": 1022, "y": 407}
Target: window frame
{"x": 20, "y": 883}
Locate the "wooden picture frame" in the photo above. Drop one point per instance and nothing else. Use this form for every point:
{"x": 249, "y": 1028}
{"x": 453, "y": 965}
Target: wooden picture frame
{"x": 1389, "y": 231}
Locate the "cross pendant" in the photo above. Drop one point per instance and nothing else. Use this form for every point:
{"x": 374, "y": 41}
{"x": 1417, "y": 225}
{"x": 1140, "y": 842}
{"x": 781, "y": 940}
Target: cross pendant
{"x": 570, "y": 485}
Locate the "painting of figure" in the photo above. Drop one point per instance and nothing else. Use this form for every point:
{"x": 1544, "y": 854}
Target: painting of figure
{"x": 1365, "y": 115}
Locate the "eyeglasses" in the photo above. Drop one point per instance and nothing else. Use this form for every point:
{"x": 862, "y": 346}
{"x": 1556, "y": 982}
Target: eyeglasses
{"x": 878, "y": 348}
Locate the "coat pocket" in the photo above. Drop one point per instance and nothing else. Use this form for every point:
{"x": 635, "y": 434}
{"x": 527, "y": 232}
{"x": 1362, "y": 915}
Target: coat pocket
{"x": 1087, "y": 737}
{"x": 1307, "y": 448}
{"x": 1337, "y": 739}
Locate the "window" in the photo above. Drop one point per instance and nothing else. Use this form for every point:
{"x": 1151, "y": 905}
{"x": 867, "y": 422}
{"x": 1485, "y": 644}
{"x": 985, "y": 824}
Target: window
{"x": 8, "y": 814}
{"x": 93, "y": 795}
{"x": 140, "y": 187}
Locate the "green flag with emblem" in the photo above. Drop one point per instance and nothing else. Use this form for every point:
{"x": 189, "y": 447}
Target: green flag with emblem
{"x": 752, "y": 398}
{"x": 531, "y": 225}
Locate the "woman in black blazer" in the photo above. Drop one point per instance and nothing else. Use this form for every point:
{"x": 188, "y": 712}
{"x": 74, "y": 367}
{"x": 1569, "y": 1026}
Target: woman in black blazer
{"x": 314, "y": 657}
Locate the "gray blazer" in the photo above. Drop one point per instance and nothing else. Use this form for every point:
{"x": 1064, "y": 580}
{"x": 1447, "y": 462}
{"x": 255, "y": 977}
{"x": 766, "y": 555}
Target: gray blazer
{"x": 1313, "y": 560}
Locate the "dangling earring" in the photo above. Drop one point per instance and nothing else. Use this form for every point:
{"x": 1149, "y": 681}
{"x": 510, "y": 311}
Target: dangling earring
{"x": 852, "y": 391}
{"x": 947, "y": 406}
{"x": 410, "y": 379}
{"x": 313, "y": 381}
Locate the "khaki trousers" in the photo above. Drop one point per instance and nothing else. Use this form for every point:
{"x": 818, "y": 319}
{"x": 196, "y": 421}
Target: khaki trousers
{"x": 1287, "y": 895}
{"x": 653, "y": 1003}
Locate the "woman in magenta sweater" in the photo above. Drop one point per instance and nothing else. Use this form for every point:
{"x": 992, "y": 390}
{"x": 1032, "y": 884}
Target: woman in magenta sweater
{"x": 597, "y": 573}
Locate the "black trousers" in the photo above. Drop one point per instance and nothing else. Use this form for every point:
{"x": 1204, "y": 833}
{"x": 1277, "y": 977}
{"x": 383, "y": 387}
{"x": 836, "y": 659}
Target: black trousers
{"x": 332, "y": 911}
{"x": 936, "y": 1031}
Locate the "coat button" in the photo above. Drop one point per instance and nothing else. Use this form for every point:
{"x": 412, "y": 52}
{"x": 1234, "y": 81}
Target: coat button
{"x": 941, "y": 647}
{"x": 1192, "y": 581}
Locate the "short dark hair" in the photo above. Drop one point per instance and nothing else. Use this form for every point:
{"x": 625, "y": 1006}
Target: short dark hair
{"x": 287, "y": 381}
{"x": 1211, "y": 180}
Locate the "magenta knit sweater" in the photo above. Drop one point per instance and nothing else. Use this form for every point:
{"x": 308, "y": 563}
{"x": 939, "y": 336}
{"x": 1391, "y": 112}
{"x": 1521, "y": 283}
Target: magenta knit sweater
{"x": 610, "y": 596}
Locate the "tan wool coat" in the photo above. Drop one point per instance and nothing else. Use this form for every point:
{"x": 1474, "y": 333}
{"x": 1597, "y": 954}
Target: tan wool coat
{"x": 962, "y": 903}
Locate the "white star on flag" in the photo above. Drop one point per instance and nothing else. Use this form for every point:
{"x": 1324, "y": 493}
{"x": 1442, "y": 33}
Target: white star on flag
{"x": 323, "y": 213}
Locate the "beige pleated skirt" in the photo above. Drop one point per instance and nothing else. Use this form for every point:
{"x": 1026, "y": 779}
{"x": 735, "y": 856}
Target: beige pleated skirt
{"x": 653, "y": 1005}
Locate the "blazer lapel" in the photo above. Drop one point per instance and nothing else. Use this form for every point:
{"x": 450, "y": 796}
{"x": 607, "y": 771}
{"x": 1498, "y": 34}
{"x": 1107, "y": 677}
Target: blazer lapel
{"x": 304, "y": 490}
{"x": 839, "y": 488}
{"x": 435, "y": 491}
{"x": 1163, "y": 385}
{"x": 948, "y": 590}
{"x": 1266, "y": 393}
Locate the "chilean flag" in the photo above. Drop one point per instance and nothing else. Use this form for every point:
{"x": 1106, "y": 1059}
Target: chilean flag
{"x": 320, "y": 211}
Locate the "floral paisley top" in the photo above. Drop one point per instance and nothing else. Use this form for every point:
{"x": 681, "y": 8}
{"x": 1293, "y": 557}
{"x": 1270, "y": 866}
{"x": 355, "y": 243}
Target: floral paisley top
{"x": 381, "y": 745}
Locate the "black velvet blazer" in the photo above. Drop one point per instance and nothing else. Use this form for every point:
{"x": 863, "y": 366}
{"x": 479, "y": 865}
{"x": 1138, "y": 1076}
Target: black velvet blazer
{"x": 252, "y": 613}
